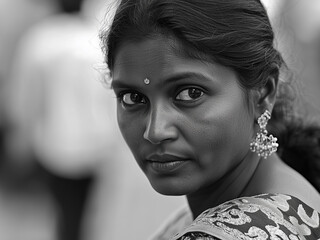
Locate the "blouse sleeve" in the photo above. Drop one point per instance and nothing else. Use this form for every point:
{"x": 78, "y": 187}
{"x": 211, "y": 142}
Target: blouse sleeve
{"x": 266, "y": 216}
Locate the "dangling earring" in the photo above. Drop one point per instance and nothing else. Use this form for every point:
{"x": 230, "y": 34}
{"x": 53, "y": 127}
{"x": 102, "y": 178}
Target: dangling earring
{"x": 263, "y": 144}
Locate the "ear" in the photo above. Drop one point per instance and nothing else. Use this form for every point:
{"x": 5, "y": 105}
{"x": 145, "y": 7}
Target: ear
{"x": 266, "y": 96}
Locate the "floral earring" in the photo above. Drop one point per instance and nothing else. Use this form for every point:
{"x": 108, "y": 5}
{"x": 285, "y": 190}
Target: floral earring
{"x": 263, "y": 144}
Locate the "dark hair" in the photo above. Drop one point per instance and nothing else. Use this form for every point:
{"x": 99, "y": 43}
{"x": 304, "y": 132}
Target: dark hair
{"x": 234, "y": 33}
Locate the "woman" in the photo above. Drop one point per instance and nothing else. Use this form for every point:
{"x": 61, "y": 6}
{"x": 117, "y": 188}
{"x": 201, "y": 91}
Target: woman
{"x": 196, "y": 82}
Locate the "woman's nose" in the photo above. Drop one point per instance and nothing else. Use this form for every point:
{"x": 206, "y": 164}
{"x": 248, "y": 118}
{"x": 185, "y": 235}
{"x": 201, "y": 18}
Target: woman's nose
{"x": 160, "y": 126}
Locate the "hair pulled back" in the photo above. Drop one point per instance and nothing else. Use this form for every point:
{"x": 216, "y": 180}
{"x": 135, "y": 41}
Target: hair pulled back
{"x": 234, "y": 33}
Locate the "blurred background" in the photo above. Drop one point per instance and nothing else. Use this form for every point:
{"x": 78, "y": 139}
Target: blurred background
{"x": 65, "y": 172}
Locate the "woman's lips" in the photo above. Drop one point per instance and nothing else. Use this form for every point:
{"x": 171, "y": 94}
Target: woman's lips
{"x": 165, "y": 163}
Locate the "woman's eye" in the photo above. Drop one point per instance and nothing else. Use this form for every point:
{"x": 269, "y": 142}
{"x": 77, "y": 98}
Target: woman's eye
{"x": 133, "y": 98}
{"x": 189, "y": 94}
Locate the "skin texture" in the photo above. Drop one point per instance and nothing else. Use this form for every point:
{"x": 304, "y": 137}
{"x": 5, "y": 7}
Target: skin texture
{"x": 190, "y": 128}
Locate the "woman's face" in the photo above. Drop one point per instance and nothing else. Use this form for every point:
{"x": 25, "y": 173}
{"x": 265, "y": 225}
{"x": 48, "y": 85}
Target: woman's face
{"x": 190, "y": 125}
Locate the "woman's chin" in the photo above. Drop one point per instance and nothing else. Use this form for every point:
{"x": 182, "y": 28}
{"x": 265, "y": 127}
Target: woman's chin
{"x": 169, "y": 189}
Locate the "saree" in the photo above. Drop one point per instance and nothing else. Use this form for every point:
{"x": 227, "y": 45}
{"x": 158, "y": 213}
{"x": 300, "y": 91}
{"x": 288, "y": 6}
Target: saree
{"x": 265, "y": 216}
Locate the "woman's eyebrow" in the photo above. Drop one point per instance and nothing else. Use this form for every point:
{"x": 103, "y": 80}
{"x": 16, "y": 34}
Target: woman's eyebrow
{"x": 186, "y": 75}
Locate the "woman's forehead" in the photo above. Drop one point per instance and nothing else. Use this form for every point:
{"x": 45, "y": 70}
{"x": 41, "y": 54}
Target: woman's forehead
{"x": 158, "y": 48}
{"x": 157, "y": 56}
{"x": 147, "y": 57}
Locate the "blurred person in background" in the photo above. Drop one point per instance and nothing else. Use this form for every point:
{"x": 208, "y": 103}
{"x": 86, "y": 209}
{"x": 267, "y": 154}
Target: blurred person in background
{"x": 16, "y": 17}
{"x": 63, "y": 130}
{"x": 55, "y": 125}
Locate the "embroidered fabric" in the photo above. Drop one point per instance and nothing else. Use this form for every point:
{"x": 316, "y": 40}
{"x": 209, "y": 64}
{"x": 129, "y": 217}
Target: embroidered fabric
{"x": 266, "y": 216}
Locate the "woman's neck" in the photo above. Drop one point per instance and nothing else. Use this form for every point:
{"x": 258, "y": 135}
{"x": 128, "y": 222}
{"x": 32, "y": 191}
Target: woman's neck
{"x": 230, "y": 186}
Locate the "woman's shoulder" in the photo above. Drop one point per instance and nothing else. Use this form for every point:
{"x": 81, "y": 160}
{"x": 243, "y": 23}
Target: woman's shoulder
{"x": 275, "y": 176}
{"x": 266, "y": 216}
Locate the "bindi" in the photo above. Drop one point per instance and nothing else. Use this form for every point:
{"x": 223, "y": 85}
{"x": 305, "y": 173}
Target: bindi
{"x": 146, "y": 81}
